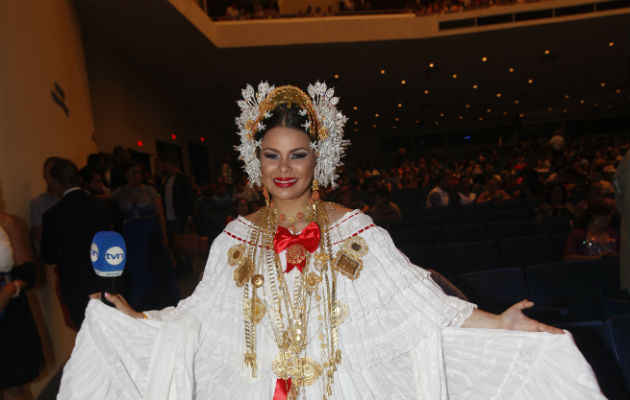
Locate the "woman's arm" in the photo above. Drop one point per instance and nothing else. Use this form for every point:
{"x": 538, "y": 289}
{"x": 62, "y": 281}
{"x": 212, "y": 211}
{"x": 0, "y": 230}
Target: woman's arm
{"x": 512, "y": 318}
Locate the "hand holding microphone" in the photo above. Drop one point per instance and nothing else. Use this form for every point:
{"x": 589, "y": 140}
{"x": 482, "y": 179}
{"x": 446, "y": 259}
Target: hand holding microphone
{"x": 108, "y": 254}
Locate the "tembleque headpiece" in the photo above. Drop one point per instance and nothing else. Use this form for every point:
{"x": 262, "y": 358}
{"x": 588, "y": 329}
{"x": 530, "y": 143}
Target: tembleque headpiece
{"x": 325, "y": 126}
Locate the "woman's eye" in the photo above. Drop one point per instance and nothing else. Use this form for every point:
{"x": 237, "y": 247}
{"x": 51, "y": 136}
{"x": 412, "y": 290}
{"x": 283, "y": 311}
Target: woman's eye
{"x": 271, "y": 156}
{"x": 299, "y": 155}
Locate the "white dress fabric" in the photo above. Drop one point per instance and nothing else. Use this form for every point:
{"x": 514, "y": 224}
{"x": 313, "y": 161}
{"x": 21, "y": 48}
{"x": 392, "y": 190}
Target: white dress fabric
{"x": 401, "y": 340}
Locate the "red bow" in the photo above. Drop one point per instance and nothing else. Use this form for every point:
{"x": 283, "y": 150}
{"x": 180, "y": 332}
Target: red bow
{"x": 296, "y": 245}
{"x": 283, "y": 386}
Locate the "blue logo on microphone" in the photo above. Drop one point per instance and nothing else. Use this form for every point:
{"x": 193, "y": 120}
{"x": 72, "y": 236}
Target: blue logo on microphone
{"x": 107, "y": 254}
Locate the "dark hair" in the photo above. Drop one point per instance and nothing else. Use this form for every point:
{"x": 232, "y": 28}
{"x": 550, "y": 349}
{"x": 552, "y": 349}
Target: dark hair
{"x": 550, "y": 190}
{"x": 285, "y": 116}
{"x": 94, "y": 159}
{"x": 50, "y": 160}
{"x": 87, "y": 174}
{"x": 382, "y": 192}
{"x": 65, "y": 172}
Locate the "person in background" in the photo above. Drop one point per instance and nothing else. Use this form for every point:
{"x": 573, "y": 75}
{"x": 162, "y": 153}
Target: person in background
{"x": 41, "y": 203}
{"x": 92, "y": 182}
{"x": 439, "y": 195}
{"x": 97, "y": 162}
{"x": 555, "y": 205}
{"x": 384, "y": 211}
{"x": 622, "y": 189}
{"x": 149, "y": 273}
{"x": 493, "y": 192}
{"x": 122, "y": 159}
{"x": 596, "y": 239}
{"x": 20, "y": 350}
{"x": 465, "y": 193}
{"x": 67, "y": 231}
{"x": 179, "y": 208}
{"x": 557, "y": 144}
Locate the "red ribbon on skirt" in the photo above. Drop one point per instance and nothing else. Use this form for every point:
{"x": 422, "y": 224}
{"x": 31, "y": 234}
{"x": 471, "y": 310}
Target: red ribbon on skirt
{"x": 283, "y": 386}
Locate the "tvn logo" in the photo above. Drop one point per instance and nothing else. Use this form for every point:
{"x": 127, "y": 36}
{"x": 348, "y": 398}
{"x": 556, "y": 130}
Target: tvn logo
{"x": 114, "y": 255}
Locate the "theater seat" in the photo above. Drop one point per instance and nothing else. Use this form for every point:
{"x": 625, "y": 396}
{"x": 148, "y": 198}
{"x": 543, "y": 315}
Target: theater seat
{"x": 493, "y": 290}
{"x": 528, "y": 250}
{"x": 565, "y": 291}
{"x": 618, "y": 333}
{"x": 431, "y": 256}
{"x": 466, "y": 232}
{"x": 471, "y": 256}
{"x": 512, "y": 228}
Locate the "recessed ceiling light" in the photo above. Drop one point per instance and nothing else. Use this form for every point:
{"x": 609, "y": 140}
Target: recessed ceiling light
{"x": 516, "y": 101}
{"x": 437, "y": 122}
{"x": 581, "y": 101}
{"x": 403, "y": 82}
{"x": 460, "y": 117}
{"x": 376, "y": 115}
{"x": 498, "y": 95}
{"x": 566, "y": 97}
{"x": 521, "y": 115}
{"x": 356, "y": 129}
{"x": 489, "y": 110}
{"x": 475, "y": 86}
{"x": 547, "y": 52}
{"x": 426, "y": 91}
{"x": 442, "y": 115}
{"x": 564, "y": 111}
{"x": 431, "y": 65}
{"x": 336, "y": 76}
{"x": 530, "y": 81}
{"x": 396, "y": 119}
{"x": 454, "y": 76}
{"x": 611, "y": 44}
{"x": 394, "y": 126}
{"x": 417, "y": 121}
{"x": 550, "y": 109}
{"x": 504, "y": 112}
{"x": 618, "y": 91}
{"x": 484, "y": 59}
{"x": 511, "y": 69}
{"x": 399, "y": 105}
{"x": 603, "y": 84}
{"x": 383, "y": 72}
{"x": 356, "y": 122}
{"x": 373, "y": 125}
{"x": 480, "y": 118}
{"x": 467, "y": 106}
{"x": 355, "y": 108}
{"x": 596, "y": 104}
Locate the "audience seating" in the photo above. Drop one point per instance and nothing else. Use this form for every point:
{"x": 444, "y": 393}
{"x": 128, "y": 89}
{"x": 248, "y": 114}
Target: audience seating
{"x": 565, "y": 292}
{"x": 416, "y": 236}
{"x": 528, "y": 250}
{"x": 511, "y": 228}
{"x": 431, "y": 256}
{"x": 493, "y": 290}
{"x": 470, "y": 256}
{"x": 466, "y": 232}
{"x": 618, "y": 334}
{"x": 590, "y": 337}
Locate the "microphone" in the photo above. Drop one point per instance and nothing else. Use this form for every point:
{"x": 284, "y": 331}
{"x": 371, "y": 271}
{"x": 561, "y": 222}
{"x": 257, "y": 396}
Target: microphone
{"x": 108, "y": 254}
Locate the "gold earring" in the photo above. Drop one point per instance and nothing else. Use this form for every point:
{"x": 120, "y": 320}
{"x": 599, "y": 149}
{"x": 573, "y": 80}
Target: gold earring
{"x": 265, "y": 195}
{"x": 315, "y": 190}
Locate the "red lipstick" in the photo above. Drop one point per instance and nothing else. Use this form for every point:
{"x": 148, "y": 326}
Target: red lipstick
{"x": 285, "y": 181}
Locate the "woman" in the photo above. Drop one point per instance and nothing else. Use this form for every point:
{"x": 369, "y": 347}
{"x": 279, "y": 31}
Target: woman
{"x": 596, "y": 239}
{"x": 149, "y": 272}
{"x": 305, "y": 299}
{"x": 555, "y": 205}
{"x": 20, "y": 347}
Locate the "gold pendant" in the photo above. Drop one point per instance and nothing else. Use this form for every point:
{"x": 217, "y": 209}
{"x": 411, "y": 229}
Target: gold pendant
{"x": 242, "y": 273}
{"x": 348, "y": 265}
{"x": 236, "y": 254}
{"x": 302, "y": 371}
{"x": 255, "y": 309}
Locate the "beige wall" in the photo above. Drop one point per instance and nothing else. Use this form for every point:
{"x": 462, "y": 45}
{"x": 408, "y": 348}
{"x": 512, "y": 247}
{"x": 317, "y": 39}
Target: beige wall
{"x": 41, "y": 44}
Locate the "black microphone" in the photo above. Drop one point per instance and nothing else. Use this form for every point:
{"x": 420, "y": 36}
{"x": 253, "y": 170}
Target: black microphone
{"x": 108, "y": 254}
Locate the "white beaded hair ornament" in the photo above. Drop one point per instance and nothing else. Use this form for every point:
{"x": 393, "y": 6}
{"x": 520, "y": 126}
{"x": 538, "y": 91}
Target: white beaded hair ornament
{"x": 324, "y": 125}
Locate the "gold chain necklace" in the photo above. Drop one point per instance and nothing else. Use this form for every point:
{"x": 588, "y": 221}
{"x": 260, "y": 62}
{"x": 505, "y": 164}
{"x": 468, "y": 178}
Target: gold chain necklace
{"x": 314, "y": 289}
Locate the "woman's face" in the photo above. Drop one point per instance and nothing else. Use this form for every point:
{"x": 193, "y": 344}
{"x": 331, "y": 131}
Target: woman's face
{"x": 287, "y": 163}
{"x": 134, "y": 175}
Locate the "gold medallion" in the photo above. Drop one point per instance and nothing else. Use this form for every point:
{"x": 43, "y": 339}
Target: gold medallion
{"x": 348, "y": 265}
{"x": 296, "y": 254}
{"x": 242, "y": 273}
{"x": 236, "y": 254}
{"x": 312, "y": 280}
{"x": 255, "y": 309}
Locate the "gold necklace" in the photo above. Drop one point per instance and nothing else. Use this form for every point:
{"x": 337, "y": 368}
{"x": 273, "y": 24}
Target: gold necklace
{"x": 314, "y": 289}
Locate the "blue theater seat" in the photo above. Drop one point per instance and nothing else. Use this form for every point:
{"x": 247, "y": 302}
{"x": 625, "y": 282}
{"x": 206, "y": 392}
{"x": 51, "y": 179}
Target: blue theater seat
{"x": 528, "y": 250}
{"x": 618, "y": 332}
{"x": 471, "y": 256}
{"x": 565, "y": 291}
{"x": 493, "y": 290}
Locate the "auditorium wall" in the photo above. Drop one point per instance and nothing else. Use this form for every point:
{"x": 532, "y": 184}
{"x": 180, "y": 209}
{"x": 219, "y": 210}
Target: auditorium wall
{"x": 40, "y": 46}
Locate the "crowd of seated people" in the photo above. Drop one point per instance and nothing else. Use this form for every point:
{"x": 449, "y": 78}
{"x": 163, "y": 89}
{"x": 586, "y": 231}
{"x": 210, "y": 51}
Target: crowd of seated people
{"x": 248, "y": 9}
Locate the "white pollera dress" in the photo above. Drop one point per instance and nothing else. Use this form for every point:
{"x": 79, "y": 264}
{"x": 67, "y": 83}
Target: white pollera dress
{"x": 401, "y": 340}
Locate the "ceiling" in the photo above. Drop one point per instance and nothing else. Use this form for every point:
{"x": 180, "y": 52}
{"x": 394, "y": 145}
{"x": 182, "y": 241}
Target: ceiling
{"x": 582, "y": 76}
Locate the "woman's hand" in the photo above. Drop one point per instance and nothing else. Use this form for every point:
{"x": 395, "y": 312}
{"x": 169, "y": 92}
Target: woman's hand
{"x": 514, "y": 319}
{"x": 120, "y": 303}
{"x": 6, "y": 292}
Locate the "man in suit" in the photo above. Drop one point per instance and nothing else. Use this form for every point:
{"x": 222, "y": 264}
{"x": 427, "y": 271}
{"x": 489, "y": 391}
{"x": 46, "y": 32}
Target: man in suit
{"x": 179, "y": 207}
{"x": 67, "y": 232}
